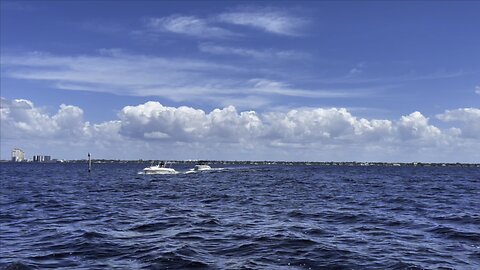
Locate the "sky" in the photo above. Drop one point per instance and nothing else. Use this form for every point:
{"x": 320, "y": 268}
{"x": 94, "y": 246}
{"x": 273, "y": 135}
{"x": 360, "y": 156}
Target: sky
{"x": 248, "y": 80}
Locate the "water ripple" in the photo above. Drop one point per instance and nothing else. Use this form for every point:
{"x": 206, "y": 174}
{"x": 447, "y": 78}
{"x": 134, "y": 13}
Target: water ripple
{"x": 257, "y": 217}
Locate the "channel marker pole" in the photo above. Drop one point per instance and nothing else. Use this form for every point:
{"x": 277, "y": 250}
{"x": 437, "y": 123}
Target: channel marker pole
{"x": 89, "y": 163}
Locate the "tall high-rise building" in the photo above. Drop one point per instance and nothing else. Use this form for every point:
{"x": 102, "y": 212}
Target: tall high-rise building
{"x": 18, "y": 155}
{"x": 42, "y": 158}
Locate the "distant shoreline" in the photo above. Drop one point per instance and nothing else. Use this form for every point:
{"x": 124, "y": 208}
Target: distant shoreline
{"x": 284, "y": 163}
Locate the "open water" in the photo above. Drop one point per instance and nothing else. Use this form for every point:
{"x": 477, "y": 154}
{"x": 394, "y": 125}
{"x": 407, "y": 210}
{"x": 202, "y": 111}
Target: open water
{"x": 243, "y": 217}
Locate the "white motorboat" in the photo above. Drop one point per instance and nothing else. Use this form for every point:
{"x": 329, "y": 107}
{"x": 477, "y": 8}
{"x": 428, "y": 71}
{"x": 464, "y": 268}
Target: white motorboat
{"x": 161, "y": 168}
{"x": 202, "y": 167}
{"x": 199, "y": 168}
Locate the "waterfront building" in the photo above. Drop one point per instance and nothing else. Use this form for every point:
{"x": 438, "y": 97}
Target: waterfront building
{"x": 42, "y": 158}
{"x": 18, "y": 155}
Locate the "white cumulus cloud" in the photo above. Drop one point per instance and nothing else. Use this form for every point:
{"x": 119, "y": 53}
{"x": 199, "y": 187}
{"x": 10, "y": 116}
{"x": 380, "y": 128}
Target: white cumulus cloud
{"x": 152, "y": 120}
{"x": 467, "y": 118}
{"x": 416, "y": 126}
{"x": 304, "y": 133}
{"x": 20, "y": 118}
{"x": 309, "y": 125}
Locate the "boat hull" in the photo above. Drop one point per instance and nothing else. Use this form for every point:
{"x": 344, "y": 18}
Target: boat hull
{"x": 202, "y": 168}
{"x": 159, "y": 170}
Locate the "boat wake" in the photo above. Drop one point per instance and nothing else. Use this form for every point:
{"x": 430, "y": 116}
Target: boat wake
{"x": 200, "y": 171}
{"x": 174, "y": 172}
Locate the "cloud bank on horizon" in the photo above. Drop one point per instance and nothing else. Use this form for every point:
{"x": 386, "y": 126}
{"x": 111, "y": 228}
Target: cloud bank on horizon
{"x": 263, "y": 81}
{"x": 146, "y": 129}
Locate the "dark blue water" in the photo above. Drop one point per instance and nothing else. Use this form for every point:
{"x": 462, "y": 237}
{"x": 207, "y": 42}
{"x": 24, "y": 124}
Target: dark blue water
{"x": 257, "y": 217}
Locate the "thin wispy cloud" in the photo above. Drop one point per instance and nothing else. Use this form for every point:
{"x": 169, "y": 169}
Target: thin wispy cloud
{"x": 178, "y": 79}
{"x": 225, "y": 25}
{"x": 120, "y": 73}
{"x": 104, "y": 27}
{"x": 18, "y": 6}
{"x": 477, "y": 89}
{"x": 188, "y": 25}
{"x": 357, "y": 75}
{"x": 268, "y": 20}
{"x": 258, "y": 54}
{"x": 357, "y": 70}
{"x": 265, "y": 86}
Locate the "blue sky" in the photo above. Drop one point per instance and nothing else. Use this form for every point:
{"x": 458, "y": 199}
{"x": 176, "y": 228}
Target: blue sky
{"x": 372, "y": 81}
